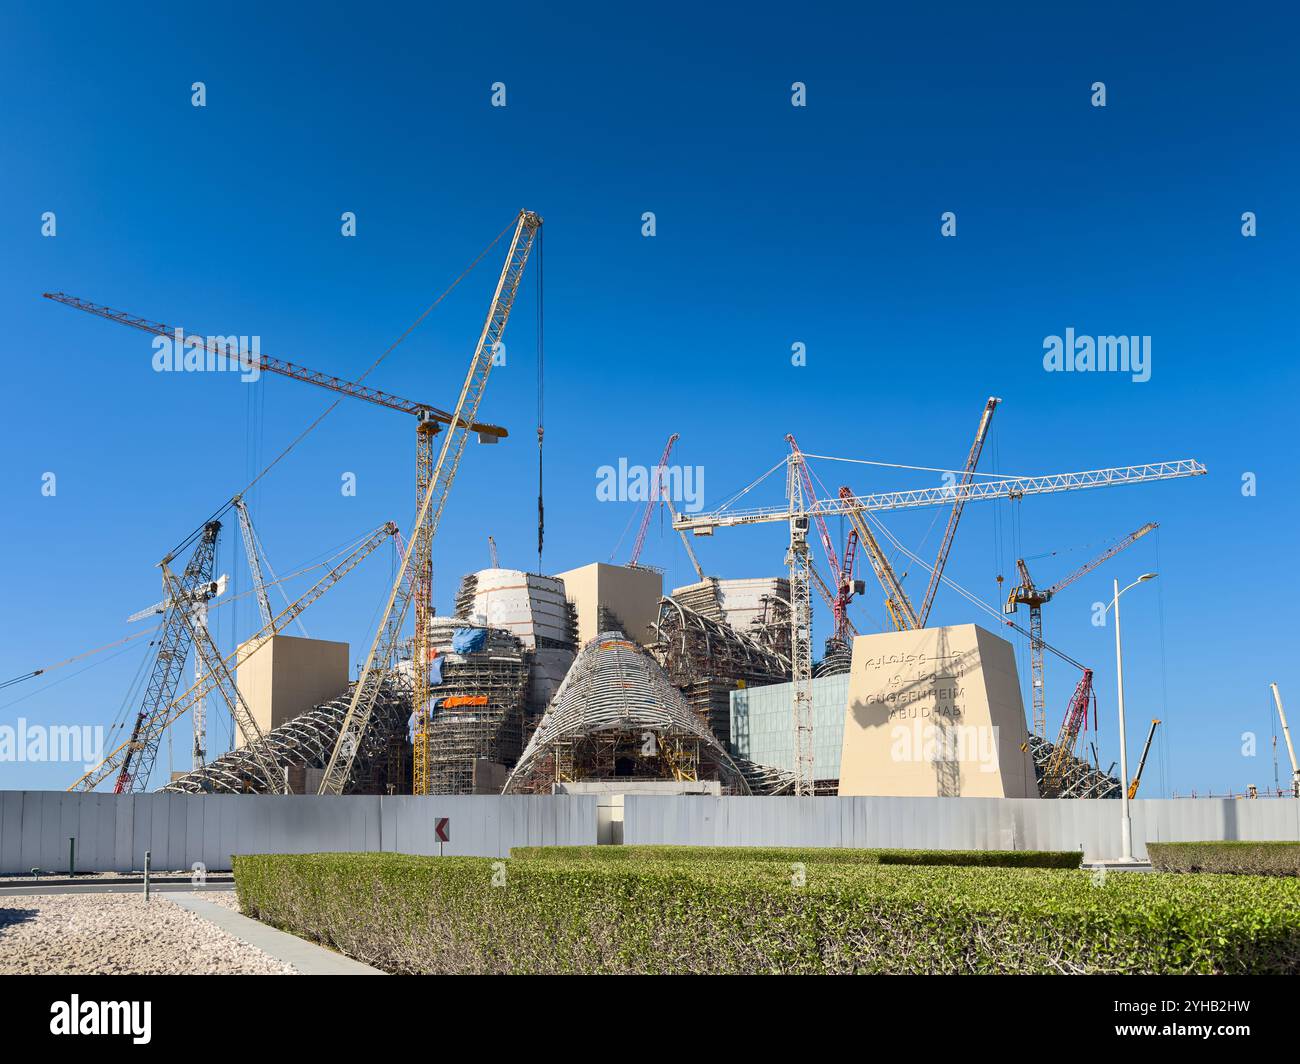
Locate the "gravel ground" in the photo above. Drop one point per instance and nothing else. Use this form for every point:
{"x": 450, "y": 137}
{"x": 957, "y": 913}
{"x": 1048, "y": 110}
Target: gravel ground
{"x": 92, "y": 934}
{"x": 227, "y": 899}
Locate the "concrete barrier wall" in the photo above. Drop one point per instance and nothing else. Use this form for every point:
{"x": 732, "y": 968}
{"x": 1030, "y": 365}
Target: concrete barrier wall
{"x": 951, "y": 823}
{"x": 114, "y": 831}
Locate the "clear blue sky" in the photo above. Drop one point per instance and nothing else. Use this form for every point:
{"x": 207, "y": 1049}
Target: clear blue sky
{"x": 776, "y": 225}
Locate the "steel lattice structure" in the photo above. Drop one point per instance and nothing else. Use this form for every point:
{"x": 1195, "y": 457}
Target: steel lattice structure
{"x": 307, "y": 740}
{"x": 617, "y": 716}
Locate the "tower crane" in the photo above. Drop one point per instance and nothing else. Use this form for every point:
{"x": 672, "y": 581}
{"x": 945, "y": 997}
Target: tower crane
{"x": 176, "y": 637}
{"x": 434, "y": 499}
{"x": 841, "y": 570}
{"x": 796, "y": 514}
{"x": 429, "y": 422}
{"x": 127, "y": 761}
{"x": 1025, "y": 593}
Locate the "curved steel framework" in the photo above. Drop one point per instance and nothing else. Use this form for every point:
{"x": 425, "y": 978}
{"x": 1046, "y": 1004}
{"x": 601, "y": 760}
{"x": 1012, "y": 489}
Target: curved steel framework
{"x": 706, "y": 659}
{"x": 616, "y": 716}
{"x": 307, "y": 740}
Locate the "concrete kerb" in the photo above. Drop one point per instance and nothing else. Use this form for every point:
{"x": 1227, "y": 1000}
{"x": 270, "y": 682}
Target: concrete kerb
{"x": 306, "y": 957}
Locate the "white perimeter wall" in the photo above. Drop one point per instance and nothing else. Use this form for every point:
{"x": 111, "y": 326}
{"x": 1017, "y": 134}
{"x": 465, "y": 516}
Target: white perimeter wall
{"x": 114, "y": 831}
{"x": 951, "y": 823}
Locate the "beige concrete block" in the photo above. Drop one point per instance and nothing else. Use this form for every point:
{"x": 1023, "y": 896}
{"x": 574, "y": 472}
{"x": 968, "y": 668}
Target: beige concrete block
{"x": 935, "y": 713}
{"x": 631, "y": 595}
{"x": 289, "y": 676}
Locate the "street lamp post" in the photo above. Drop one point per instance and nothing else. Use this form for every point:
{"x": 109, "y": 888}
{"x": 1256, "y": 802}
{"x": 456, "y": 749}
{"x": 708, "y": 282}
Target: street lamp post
{"x": 1126, "y": 822}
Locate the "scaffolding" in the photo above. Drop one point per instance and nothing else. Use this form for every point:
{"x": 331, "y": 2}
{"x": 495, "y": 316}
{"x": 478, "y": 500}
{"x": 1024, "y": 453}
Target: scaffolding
{"x": 477, "y": 708}
{"x": 306, "y": 742}
{"x": 707, "y": 659}
{"x": 617, "y": 717}
{"x": 1077, "y": 779}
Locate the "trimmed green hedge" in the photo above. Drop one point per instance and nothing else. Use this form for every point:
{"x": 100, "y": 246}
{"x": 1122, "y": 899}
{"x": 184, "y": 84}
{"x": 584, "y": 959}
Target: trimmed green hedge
{"x": 807, "y": 855}
{"x": 445, "y": 915}
{"x": 1233, "y": 858}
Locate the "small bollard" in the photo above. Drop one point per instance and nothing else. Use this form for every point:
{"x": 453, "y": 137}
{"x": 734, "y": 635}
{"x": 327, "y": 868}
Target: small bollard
{"x": 72, "y": 856}
{"x": 148, "y": 855}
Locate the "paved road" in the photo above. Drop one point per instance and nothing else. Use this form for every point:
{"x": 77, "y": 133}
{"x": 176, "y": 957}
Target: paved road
{"x": 109, "y": 887}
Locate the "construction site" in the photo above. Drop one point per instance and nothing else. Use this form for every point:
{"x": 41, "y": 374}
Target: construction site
{"x": 600, "y": 677}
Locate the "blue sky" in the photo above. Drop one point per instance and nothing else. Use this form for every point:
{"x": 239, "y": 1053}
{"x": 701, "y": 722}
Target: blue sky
{"x": 775, "y": 225}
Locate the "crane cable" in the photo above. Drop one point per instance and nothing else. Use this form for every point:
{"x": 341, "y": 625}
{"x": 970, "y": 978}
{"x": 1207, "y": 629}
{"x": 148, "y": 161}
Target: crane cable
{"x": 32, "y": 674}
{"x": 330, "y": 409}
{"x": 541, "y": 363}
{"x": 68, "y": 661}
{"x": 970, "y": 597}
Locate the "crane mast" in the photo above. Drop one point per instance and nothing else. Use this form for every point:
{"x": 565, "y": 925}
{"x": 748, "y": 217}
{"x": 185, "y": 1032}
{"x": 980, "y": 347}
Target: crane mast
{"x": 841, "y": 571}
{"x": 797, "y": 562}
{"x": 119, "y": 759}
{"x": 173, "y": 648}
{"x": 1025, "y": 593}
{"x": 796, "y": 514}
{"x": 215, "y": 666}
{"x": 440, "y": 478}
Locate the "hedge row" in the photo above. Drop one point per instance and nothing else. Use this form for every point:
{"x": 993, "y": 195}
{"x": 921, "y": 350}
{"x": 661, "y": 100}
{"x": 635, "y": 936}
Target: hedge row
{"x": 1234, "y": 858}
{"x": 472, "y": 915}
{"x": 805, "y": 855}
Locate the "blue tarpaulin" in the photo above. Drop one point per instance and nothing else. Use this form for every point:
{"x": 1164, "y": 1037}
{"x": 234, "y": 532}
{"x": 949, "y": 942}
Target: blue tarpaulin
{"x": 468, "y": 640}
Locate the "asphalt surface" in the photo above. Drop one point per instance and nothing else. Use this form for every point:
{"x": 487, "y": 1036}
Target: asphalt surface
{"x": 109, "y": 887}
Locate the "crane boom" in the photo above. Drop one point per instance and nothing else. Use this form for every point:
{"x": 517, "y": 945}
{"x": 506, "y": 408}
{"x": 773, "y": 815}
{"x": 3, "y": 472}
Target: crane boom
{"x": 214, "y": 666}
{"x": 1076, "y": 719}
{"x": 902, "y": 614}
{"x": 118, "y": 760}
{"x": 1286, "y": 734}
{"x": 968, "y": 474}
{"x": 690, "y": 551}
{"x": 366, "y": 692}
{"x": 656, "y": 482}
{"x": 1142, "y": 761}
{"x": 265, "y": 363}
{"x": 992, "y": 488}
{"x": 1025, "y": 593}
{"x": 1105, "y": 555}
{"x": 254, "y": 562}
{"x": 839, "y": 604}
{"x": 141, "y": 750}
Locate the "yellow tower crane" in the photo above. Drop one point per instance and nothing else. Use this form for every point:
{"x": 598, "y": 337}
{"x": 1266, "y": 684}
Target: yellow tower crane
{"x": 1025, "y": 593}
{"x": 441, "y": 476}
